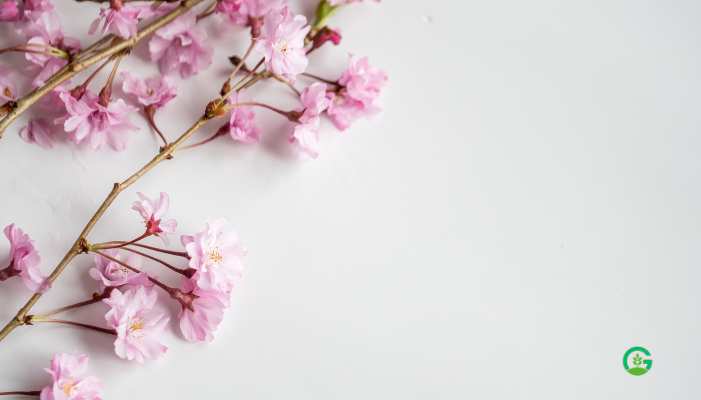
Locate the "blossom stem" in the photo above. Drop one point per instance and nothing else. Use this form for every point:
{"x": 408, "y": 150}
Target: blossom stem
{"x": 80, "y": 63}
{"x": 150, "y": 112}
{"x": 95, "y": 299}
{"x": 22, "y": 393}
{"x": 242, "y": 62}
{"x": 8, "y": 272}
{"x": 287, "y": 114}
{"x": 218, "y": 133}
{"x": 181, "y": 271}
{"x": 118, "y": 244}
{"x": 48, "y": 51}
{"x": 318, "y": 78}
{"x": 155, "y": 281}
{"x": 33, "y": 319}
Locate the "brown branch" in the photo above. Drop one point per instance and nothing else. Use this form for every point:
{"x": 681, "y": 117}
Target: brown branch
{"x": 80, "y": 245}
{"x": 81, "y": 63}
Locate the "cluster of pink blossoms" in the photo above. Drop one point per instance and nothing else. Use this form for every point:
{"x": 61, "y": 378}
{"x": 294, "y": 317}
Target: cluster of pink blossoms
{"x": 282, "y": 38}
{"x": 70, "y": 379}
{"x": 213, "y": 267}
{"x": 23, "y": 260}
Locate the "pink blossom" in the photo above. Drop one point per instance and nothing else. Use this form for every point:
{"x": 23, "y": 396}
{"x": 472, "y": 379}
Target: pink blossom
{"x": 326, "y": 34}
{"x": 153, "y": 213}
{"x": 235, "y": 10}
{"x": 242, "y": 127}
{"x": 37, "y": 131}
{"x": 216, "y": 255}
{"x": 305, "y": 136}
{"x": 282, "y": 42}
{"x": 112, "y": 274}
{"x": 139, "y": 327}
{"x": 8, "y": 92}
{"x": 122, "y": 21}
{"x": 96, "y": 124}
{"x": 156, "y": 91}
{"x": 241, "y": 12}
{"x": 70, "y": 380}
{"x": 181, "y": 47}
{"x": 9, "y": 11}
{"x": 24, "y": 260}
{"x": 361, "y": 85}
{"x": 202, "y": 312}
{"x": 38, "y": 5}
{"x": 315, "y": 100}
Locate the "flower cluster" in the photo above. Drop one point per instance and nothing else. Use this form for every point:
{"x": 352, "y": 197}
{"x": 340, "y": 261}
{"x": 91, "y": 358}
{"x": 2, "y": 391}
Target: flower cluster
{"x": 70, "y": 379}
{"x": 284, "y": 41}
{"x": 23, "y": 260}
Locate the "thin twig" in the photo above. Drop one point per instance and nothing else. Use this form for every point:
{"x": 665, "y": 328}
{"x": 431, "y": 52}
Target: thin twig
{"x": 158, "y": 283}
{"x": 96, "y": 299}
{"x": 74, "y": 323}
{"x": 158, "y": 260}
{"x": 119, "y": 244}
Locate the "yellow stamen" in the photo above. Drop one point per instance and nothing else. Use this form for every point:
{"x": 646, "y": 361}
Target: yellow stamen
{"x": 215, "y": 256}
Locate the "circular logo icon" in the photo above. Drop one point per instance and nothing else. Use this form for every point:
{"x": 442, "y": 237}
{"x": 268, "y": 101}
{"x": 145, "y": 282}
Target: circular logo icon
{"x": 637, "y": 361}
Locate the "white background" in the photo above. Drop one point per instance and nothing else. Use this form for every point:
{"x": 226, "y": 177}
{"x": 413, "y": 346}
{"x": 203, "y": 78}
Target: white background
{"x": 526, "y": 208}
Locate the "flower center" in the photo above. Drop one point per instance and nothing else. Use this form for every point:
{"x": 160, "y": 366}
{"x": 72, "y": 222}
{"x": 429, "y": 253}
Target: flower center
{"x": 7, "y": 92}
{"x": 68, "y": 387}
{"x": 136, "y": 326}
{"x": 215, "y": 256}
{"x": 283, "y": 46}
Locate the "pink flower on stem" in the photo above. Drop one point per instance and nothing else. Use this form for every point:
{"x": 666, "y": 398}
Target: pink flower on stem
{"x": 360, "y": 87}
{"x": 202, "y": 311}
{"x": 37, "y": 131}
{"x": 153, "y": 213}
{"x": 316, "y": 99}
{"x": 122, "y": 19}
{"x": 156, "y": 91}
{"x": 9, "y": 11}
{"x": 24, "y": 260}
{"x": 8, "y": 92}
{"x": 245, "y": 12}
{"x": 305, "y": 136}
{"x": 242, "y": 127}
{"x": 216, "y": 256}
{"x": 325, "y": 35}
{"x": 111, "y": 274}
{"x": 282, "y": 42}
{"x": 181, "y": 47}
{"x": 139, "y": 327}
{"x": 96, "y": 124}
{"x": 70, "y": 380}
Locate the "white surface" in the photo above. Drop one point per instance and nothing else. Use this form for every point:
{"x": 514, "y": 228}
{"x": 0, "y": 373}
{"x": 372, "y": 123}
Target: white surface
{"x": 525, "y": 210}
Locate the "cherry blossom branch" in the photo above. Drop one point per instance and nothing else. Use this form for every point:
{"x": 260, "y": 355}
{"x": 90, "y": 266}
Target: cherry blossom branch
{"x": 80, "y": 245}
{"x": 81, "y": 63}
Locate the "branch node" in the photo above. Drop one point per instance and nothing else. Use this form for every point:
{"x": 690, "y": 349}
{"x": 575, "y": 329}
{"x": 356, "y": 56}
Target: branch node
{"x": 83, "y": 246}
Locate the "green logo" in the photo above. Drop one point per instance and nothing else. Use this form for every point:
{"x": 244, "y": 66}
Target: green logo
{"x": 637, "y": 361}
